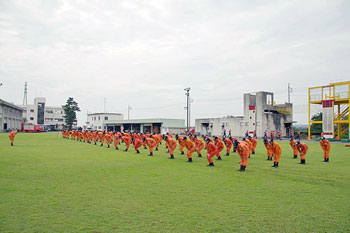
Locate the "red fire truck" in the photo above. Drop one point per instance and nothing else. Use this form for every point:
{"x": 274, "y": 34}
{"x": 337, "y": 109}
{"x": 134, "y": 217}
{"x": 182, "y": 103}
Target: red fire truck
{"x": 31, "y": 128}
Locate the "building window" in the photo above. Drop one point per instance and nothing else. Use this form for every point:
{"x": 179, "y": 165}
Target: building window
{"x": 49, "y": 111}
{"x": 99, "y": 127}
{"x": 106, "y": 118}
{"x": 31, "y": 110}
{"x": 99, "y": 118}
{"x": 31, "y": 118}
{"x": 60, "y": 119}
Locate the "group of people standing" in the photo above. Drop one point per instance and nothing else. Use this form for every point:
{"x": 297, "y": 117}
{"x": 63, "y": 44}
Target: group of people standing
{"x": 193, "y": 144}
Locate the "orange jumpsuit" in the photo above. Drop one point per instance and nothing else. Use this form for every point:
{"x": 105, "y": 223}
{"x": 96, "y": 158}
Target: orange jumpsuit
{"x": 191, "y": 147}
{"x": 228, "y": 144}
{"x": 277, "y": 152}
{"x": 302, "y": 148}
{"x": 127, "y": 141}
{"x": 326, "y": 147}
{"x": 171, "y": 146}
{"x": 294, "y": 146}
{"x": 199, "y": 146}
{"x": 211, "y": 152}
{"x": 268, "y": 150}
{"x": 243, "y": 151}
{"x": 250, "y": 144}
{"x": 12, "y": 137}
{"x": 102, "y": 137}
{"x": 109, "y": 139}
{"x": 254, "y": 143}
{"x": 151, "y": 143}
{"x": 137, "y": 143}
{"x": 220, "y": 146}
{"x": 158, "y": 139}
{"x": 116, "y": 141}
{"x": 182, "y": 144}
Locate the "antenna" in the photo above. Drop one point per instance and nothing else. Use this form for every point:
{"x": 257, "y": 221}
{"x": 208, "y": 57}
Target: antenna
{"x": 25, "y": 101}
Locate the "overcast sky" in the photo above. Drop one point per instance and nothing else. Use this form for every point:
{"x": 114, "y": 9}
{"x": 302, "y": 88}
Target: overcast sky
{"x": 144, "y": 53}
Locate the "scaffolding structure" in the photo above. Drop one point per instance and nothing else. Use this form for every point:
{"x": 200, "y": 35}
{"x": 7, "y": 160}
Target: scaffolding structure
{"x": 336, "y": 98}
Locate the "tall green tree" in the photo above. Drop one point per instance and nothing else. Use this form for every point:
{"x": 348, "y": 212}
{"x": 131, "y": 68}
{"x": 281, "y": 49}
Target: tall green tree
{"x": 70, "y": 110}
{"x": 316, "y": 128}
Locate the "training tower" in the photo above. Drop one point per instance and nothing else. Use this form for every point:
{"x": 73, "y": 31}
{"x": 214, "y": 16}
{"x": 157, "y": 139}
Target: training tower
{"x": 334, "y": 100}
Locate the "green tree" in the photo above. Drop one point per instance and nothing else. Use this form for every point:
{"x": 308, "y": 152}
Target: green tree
{"x": 316, "y": 128}
{"x": 70, "y": 110}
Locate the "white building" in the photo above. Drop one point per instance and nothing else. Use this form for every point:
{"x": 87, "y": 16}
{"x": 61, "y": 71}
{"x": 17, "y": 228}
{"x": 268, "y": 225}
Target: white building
{"x": 96, "y": 121}
{"x": 260, "y": 114}
{"x": 10, "y": 116}
{"x": 40, "y": 114}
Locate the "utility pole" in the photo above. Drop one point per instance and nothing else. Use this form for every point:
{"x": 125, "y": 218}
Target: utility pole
{"x": 289, "y": 92}
{"x": 188, "y": 107}
{"x": 129, "y": 108}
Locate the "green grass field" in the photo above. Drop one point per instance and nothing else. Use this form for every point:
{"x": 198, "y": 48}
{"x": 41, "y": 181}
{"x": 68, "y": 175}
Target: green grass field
{"x": 50, "y": 184}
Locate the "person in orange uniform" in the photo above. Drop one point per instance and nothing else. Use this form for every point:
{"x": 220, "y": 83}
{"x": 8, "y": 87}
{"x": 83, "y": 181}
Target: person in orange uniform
{"x": 151, "y": 143}
{"x": 326, "y": 147}
{"x": 171, "y": 145}
{"x": 293, "y": 145}
{"x": 116, "y": 140}
{"x": 302, "y": 148}
{"x": 211, "y": 151}
{"x": 254, "y": 143}
{"x": 250, "y": 145}
{"x": 182, "y": 144}
{"x": 220, "y": 146}
{"x": 268, "y": 149}
{"x": 243, "y": 151}
{"x": 190, "y": 146}
{"x": 277, "y": 152}
{"x": 199, "y": 145}
{"x": 137, "y": 143}
{"x": 127, "y": 141}
{"x": 101, "y": 136}
{"x": 12, "y": 135}
{"x": 109, "y": 139}
{"x": 158, "y": 140}
{"x": 228, "y": 144}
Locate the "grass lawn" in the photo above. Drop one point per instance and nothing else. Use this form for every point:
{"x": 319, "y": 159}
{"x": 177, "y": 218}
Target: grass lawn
{"x": 50, "y": 184}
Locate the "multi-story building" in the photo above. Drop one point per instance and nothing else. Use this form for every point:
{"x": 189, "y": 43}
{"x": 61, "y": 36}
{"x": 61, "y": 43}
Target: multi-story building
{"x": 40, "y": 114}
{"x": 260, "y": 114}
{"x": 10, "y": 116}
{"x": 96, "y": 121}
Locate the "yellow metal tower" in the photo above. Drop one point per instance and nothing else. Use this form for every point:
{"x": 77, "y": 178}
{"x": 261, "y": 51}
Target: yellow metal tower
{"x": 339, "y": 94}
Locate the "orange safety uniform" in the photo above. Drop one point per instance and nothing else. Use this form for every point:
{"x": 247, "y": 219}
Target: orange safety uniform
{"x": 211, "y": 152}
{"x": 243, "y": 151}
{"x": 116, "y": 141}
{"x": 269, "y": 151}
{"x": 228, "y": 144}
{"x": 199, "y": 146}
{"x": 182, "y": 144}
{"x": 326, "y": 147}
{"x": 151, "y": 143}
{"x": 293, "y": 145}
{"x": 137, "y": 143}
{"x": 12, "y": 137}
{"x": 127, "y": 141}
{"x": 254, "y": 143}
{"x": 219, "y": 145}
{"x": 303, "y": 148}
{"x": 191, "y": 147}
{"x": 109, "y": 139}
{"x": 171, "y": 146}
{"x": 277, "y": 152}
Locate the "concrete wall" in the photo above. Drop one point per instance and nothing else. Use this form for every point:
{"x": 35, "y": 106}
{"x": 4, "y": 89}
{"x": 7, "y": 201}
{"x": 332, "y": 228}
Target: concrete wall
{"x": 268, "y": 117}
{"x": 11, "y": 116}
{"x": 96, "y": 121}
{"x": 216, "y": 126}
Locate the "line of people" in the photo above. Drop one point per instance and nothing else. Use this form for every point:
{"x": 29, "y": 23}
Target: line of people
{"x": 193, "y": 144}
